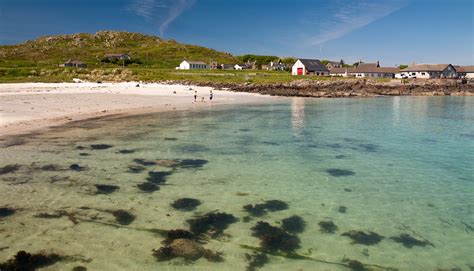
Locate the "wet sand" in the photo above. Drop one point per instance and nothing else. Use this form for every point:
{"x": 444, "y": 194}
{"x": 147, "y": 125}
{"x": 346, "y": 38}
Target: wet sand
{"x": 29, "y": 106}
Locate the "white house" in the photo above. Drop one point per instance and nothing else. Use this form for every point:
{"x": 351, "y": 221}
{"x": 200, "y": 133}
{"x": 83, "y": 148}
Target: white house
{"x": 465, "y": 71}
{"x": 309, "y": 67}
{"x": 242, "y": 67}
{"x": 192, "y": 65}
{"x": 429, "y": 71}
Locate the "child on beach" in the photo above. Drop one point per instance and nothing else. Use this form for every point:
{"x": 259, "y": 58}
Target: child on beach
{"x": 195, "y": 95}
{"x": 210, "y": 96}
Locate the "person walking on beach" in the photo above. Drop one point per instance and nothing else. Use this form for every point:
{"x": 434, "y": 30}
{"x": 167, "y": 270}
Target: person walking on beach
{"x": 210, "y": 96}
{"x": 195, "y": 95}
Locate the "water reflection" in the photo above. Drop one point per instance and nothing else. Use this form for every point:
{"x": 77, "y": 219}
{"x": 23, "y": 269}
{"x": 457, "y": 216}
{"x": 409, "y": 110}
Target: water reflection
{"x": 297, "y": 116}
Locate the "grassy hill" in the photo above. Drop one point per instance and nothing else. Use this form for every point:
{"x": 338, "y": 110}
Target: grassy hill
{"x": 151, "y": 51}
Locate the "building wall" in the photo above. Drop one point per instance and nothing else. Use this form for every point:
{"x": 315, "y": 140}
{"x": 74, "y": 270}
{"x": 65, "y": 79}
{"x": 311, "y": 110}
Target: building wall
{"x": 294, "y": 69}
{"x": 469, "y": 75}
{"x": 372, "y": 75}
{"x": 186, "y": 66}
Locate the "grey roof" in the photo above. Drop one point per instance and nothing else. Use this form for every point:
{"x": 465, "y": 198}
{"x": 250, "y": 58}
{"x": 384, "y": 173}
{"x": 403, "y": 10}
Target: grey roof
{"x": 195, "y": 62}
{"x": 426, "y": 68}
{"x": 313, "y": 65}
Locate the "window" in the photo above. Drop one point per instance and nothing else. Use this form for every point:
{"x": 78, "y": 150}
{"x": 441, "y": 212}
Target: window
{"x": 422, "y": 73}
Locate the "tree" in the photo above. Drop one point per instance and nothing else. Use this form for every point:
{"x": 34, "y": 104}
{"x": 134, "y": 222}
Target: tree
{"x": 402, "y": 66}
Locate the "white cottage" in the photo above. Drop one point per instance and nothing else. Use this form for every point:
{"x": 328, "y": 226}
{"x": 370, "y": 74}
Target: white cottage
{"x": 429, "y": 71}
{"x": 192, "y": 65}
{"x": 309, "y": 67}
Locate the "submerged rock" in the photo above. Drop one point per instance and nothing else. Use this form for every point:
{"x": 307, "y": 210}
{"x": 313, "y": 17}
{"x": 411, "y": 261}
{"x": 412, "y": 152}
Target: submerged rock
{"x": 24, "y": 261}
{"x": 6, "y": 211}
{"x": 101, "y": 146}
{"x": 76, "y": 167}
{"x": 148, "y": 187}
{"x": 364, "y": 238}
{"x": 342, "y": 209}
{"x": 213, "y": 224}
{"x": 409, "y": 241}
{"x": 106, "y": 188}
{"x": 273, "y": 238}
{"x": 9, "y": 169}
{"x": 327, "y": 226}
{"x": 187, "y": 249}
{"x": 186, "y": 204}
{"x": 336, "y": 172}
{"x": 293, "y": 224}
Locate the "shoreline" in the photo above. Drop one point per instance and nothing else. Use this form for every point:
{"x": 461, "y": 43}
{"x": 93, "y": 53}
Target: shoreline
{"x": 29, "y": 107}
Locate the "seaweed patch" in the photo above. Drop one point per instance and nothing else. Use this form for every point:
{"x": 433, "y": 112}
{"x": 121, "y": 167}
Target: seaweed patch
{"x": 158, "y": 177}
{"x": 364, "y": 238}
{"x": 9, "y": 169}
{"x": 106, "y": 188}
{"x": 273, "y": 238}
{"x": 148, "y": 187}
{"x": 293, "y": 224}
{"x": 144, "y": 162}
{"x": 123, "y": 217}
{"x": 409, "y": 241}
{"x": 135, "y": 169}
{"x": 336, "y": 172}
{"x": 186, "y": 204}
{"x": 26, "y": 261}
{"x": 126, "y": 151}
{"x": 6, "y": 211}
{"x": 327, "y": 226}
{"x": 213, "y": 224}
{"x": 261, "y": 209}
{"x": 256, "y": 260}
{"x": 101, "y": 146}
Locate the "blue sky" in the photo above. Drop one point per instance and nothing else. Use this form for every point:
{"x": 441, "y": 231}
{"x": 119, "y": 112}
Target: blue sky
{"x": 392, "y": 31}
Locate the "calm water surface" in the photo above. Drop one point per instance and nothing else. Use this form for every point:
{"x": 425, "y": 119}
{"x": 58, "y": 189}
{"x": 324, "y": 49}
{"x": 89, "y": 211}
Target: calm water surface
{"x": 390, "y": 166}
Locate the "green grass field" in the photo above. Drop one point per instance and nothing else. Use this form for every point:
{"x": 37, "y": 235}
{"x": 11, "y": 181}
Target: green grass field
{"x": 33, "y": 74}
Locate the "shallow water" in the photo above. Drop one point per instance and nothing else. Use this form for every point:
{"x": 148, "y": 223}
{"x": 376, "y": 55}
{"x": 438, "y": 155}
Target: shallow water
{"x": 398, "y": 165}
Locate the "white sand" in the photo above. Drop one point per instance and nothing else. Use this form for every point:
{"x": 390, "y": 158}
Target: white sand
{"x": 28, "y": 106}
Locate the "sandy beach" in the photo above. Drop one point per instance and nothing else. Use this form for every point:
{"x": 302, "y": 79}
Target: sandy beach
{"x": 29, "y": 106}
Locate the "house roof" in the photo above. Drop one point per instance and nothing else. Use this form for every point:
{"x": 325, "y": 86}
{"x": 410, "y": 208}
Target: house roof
{"x": 334, "y": 63}
{"x": 426, "y": 68}
{"x": 195, "y": 62}
{"x": 115, "y": 55}
{"x": 313, "y": 65}
{"x": 374, "y": 69}
{"x": 468, "y": 69}
{"x": 368, "y": 65}
{"x": 341, "y": 70}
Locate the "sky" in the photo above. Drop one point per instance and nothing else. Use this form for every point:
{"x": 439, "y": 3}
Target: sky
{"x": 391, "y": 31}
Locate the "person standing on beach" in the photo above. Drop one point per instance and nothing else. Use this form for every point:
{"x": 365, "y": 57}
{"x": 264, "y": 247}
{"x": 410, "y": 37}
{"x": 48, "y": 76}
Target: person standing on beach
{"x": 210, "y": 96}
{"x": 195, "y": 95}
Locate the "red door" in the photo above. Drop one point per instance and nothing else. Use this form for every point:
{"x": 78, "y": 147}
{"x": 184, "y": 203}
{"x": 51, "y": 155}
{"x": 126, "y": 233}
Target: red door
{"x": 300, "y": 71}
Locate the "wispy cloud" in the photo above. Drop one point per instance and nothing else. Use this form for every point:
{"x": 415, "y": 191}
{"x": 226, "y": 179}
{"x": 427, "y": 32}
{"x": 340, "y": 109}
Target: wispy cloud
{"x": 162, "y": 12}
{"x": 348, "y": 16}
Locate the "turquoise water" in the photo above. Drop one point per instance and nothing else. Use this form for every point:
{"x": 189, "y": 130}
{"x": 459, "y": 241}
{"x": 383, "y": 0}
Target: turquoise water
{"x": 398, "y": 166}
